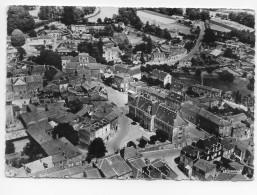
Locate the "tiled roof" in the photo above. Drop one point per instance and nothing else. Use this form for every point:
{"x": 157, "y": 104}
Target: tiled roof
{"x": 61, "y": 145}
{"x": 175, "y": 96}
{"x": 129, "y": 152}
{"x": 207, "y": 88}
{"x": 166, "y": 115}
{"x": 137, "y": 163}
{"x": 160, "y": 74}
{"x": 145, "y": 104}
{"x": 39, "y": 165}
{"x": 204, "y": 165}
{"x": 39, "y": 135}
{"x": 237, "y": 118}
{"x": 227, "y": 143}
{"x": 92, "y": 173}
{"x": 114, "y": 165}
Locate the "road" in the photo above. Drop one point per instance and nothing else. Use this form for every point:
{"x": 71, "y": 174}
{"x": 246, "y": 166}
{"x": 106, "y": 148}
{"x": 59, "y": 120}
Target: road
{"x": 198, "y": 43}
{"x": 168, "y": 155}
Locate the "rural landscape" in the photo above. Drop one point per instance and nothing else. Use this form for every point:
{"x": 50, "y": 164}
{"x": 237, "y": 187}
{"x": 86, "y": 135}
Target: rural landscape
{"x": 130, "y": 93}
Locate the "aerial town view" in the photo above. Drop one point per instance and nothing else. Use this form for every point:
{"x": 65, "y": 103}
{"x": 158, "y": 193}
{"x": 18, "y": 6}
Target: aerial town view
{"x": 130, "y": 93}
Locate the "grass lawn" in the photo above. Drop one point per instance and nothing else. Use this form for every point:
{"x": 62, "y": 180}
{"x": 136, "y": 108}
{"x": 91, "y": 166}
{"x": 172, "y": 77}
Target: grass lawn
{"x": 119, "y": 37}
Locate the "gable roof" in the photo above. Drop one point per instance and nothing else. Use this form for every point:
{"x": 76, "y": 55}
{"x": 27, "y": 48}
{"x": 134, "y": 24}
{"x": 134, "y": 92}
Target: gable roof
{"x": 129, "y": 152}
{"x": 166, "y": 115}
{"x": 144, "y": 104}
{"x": 204, "y": 165}
{"x": 137, "y": 163}
{"x": 159, "y": 73}
{"x": 19, "y": 81}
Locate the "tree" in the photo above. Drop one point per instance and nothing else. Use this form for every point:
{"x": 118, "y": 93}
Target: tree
{"x": 97, "y": 148}
{"x": 166, "y": 34}
{"x": 205, "y": 15}
{"x": 33, "y": 151}
{"x": 32, "y": 33}
{"x": 48, "y": 57}
{"x": 227, "y": 77}
{"x": 71, "y": 15}
{"x": 53, "y": 27}
{"x": 9, "y": 147}
{"x": 209, "y": 36}
{"x": 167, "y": 86}
{"x": 17, "y": 38}
{"x": 228, "y": 53}
{"x": 142, "y": 143}
{"x": 47, "y": 13}
{"x": 66, "y": 130}
{"x": 161, "y": 135}
{"x": 21, "y": 53}
{"x": 19, "y": 18}
{"x": 99, "y": 21}
{"x": 198, "y": 72}
{"x": 75, "y": 105}
{"x": 142, "y": 58}
{"x": 153, "y": 139}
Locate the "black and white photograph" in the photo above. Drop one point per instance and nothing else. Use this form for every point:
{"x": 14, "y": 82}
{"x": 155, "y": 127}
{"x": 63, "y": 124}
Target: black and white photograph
{"x": 129, "y": 93}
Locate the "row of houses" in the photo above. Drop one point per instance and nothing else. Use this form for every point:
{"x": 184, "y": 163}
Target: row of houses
{"x": 127, "y": 164}
{"x": 156, "y": 111}
{"x": 197, "y": 160}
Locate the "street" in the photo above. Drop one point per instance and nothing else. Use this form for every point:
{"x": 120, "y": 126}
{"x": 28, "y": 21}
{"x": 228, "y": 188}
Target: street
{"x": 197, "y": 45}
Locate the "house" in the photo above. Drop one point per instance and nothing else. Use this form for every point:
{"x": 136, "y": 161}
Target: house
{"x": 169, "y": 122}
{"x": 38, "y": 70}
{"x": 174, "y": 100}
{"x": 189, "y": 112}
{"x": 177, "y": 87}
{"x": 76, "y": 172}
{"x": 206, "y": 102}
{"x": 121, "y": 81}
{"x": 63, "y": 153}
{"x": 24, "y": 87}
{"x": 135, "y": 86}
{"x": 216, "y": 53}
{"x": 82, "y": 66}
{"x": 94, "y": 130}
{"x": 213, "y": 124}
{"x": 231, "y": 177}
{"x": 143, "y": 110}
{"x": 205, "y": 90}
{"x": 53, "y": 33}
{"x": 113, "y": 166}
{"x": 137, "y": 165}
{"x": 34, "y": 168}
{"x": 211, "y": 147}
{"x": 92, "y": 173}
{"x": 204, "y": 170}
{"x": 158, "y": 169}
{"x": 227, "y": 147}
{"x": 188, "y": 156}
{"x": 239, "y": 129}
{"x": 161, "y": 76}
{"x": 111, "y": 54}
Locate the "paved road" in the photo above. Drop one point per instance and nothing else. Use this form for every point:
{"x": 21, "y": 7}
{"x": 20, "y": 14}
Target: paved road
{"x": 198, "y": 43}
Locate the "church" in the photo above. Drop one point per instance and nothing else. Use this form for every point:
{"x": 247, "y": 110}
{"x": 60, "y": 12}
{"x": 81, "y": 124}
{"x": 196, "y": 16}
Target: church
{"x": 83, "y": 66}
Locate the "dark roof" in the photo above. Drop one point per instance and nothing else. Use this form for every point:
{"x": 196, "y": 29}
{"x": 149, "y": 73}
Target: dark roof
{"x": 159, "y": 73}
{"x": 227, "y": 143}
{"x": 38, "y": 69}
{"x": 191, "y": 151}
{"x": 237, "y": 118}
{"x": 204, "y": 165}
{"x": 111, "y": 116}
{"x": 166, "y": 115}
{"x": 177, "y": 86}
{"x": 145, "y": 104}
{"x": 164, "y": 168}
{"x": 61, "y": 145}
{"x": 207, "y": 143}
{"x": 39, "y": 135}
{"x": 175, "y": 96}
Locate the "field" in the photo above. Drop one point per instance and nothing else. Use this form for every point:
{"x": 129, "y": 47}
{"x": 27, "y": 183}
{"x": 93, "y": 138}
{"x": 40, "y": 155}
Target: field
{"x": 164, "y": 21}
{"x": 154, "y": 17}
{"x": 239, "y": 84}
